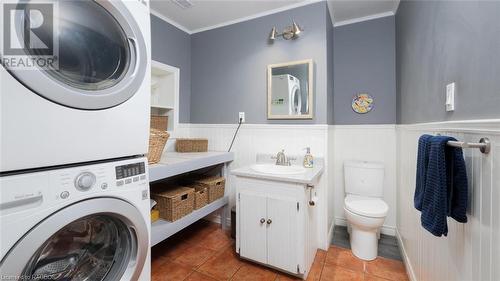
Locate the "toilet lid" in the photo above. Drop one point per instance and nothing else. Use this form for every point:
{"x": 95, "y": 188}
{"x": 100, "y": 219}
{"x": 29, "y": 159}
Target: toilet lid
{"x": 366, "y": 206}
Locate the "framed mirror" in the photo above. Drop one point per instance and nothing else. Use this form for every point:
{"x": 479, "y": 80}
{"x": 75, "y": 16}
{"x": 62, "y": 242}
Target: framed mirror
{"x": 290, "y": 90}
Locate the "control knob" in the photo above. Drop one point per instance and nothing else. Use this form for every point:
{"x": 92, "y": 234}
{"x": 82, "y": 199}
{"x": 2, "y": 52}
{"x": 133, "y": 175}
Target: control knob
{"x": 84, "y": 181}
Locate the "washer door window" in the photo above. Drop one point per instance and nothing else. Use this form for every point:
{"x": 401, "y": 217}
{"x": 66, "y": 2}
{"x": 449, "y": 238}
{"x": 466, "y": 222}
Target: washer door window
{"x": 101, "y": 57}
{"x": 108, "y": 245}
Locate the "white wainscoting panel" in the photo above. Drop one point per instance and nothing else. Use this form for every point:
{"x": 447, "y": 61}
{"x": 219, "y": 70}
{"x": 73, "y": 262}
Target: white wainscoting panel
{"x": 471, "y": 251}
{"x": 369, "y": 143}
{"x": 331, "y": 178}
{"x": 269, "y": 139}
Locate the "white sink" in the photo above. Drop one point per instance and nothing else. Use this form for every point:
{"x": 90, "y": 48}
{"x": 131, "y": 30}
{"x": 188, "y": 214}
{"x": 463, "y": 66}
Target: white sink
{"x": 277, "y": 170}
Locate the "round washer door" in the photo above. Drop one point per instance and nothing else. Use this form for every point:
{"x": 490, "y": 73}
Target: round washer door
{"x": 295, "y": 100}
{"x": 97, "y": 239}
{"x": 101, "y": 57}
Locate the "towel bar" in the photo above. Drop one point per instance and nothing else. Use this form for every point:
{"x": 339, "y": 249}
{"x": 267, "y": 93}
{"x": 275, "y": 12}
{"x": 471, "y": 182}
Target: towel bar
{"x": 484, "y": 145}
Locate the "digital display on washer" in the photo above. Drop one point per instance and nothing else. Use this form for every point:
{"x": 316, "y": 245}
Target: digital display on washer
{"x": 130, "y": 170}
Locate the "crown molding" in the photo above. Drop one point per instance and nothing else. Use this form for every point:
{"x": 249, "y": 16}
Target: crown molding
{"x": 231, "y": 22}
{"x": 361, "y": 19}
{"x": 396, "y": 6}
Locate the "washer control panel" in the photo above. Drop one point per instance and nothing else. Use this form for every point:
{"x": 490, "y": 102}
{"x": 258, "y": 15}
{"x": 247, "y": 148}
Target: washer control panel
{"x": 75, "y": 182}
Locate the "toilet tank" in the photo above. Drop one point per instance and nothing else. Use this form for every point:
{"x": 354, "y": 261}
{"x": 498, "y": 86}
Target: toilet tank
{"x": 364, "y": 178}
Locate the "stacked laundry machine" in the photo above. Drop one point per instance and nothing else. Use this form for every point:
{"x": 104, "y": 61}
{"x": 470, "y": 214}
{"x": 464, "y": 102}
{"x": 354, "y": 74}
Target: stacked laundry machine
{"x": 74, "y": 189}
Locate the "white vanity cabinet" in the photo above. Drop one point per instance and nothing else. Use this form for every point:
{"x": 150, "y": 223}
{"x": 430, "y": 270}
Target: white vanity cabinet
{"x": 274, "y": 224}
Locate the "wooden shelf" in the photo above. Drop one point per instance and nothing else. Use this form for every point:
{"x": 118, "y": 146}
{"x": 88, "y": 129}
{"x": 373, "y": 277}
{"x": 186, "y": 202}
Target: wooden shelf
{"x": 161, "y": 229}
{"x": 175, "y": 163}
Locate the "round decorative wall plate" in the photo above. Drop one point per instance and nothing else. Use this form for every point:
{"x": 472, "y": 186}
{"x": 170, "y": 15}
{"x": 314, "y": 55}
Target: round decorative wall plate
{"x": 362, "y": 103}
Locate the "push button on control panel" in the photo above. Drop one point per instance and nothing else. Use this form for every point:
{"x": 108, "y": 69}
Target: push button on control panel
{"x": 119, "y": 183}
{"x": 104, "y": 185}
{"x": 64, "y": 194}
{"x": 127, "y": 181}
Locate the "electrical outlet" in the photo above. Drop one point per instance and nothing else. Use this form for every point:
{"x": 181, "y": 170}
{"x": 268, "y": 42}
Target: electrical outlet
{"x": 242, "y": 117}
{"x": 450, "y": 97}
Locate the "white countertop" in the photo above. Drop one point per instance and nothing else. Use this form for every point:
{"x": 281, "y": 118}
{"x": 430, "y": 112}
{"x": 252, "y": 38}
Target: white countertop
{"x": 175, "y": 163}
{"x": 309, "y": 177}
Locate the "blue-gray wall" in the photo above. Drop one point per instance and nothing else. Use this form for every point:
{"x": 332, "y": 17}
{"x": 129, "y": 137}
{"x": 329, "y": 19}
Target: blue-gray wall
{"x": 439, "y": 42}
{"x": 364, "y": 61}
{"x": 229, "y": 66}
{"x": 329, "y": 67}
{"x": 172, "y": 46}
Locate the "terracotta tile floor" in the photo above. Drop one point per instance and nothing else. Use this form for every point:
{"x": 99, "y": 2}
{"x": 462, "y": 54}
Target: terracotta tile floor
{"x": 204, "y": 252}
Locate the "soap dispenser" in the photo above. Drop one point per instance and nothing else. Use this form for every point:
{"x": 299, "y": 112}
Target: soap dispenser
{"x": 308, "y": 158}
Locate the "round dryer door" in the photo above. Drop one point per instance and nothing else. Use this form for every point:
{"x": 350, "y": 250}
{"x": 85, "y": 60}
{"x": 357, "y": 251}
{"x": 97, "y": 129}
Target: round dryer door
{"x": 97, "y": 239}
{"x": 100, "y": 56}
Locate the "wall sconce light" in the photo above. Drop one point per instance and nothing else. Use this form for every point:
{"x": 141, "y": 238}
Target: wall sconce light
{"x": 290, "y": 32}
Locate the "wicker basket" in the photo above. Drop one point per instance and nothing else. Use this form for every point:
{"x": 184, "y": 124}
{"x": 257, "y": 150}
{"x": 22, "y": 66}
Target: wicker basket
{"x": 157, "y": 141}
{"x": 159, "y": 122}
{"x": 200, "y": 197}
{"x": 191, "y": 145}
{"x": 173, "y": 202}
{"x": 215, "y": 186}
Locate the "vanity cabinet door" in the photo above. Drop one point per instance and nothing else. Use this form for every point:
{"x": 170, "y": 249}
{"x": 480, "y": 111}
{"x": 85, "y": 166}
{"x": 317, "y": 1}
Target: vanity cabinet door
{"x": 253, "y": 209}
{"x": 283, "y": 233}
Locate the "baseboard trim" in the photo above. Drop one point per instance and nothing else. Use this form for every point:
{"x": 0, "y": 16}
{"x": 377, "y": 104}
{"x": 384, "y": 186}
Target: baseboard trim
{"x": 330, "y": 233}
{"x": 406, "y": 259}
{"x": 386, "y": 229}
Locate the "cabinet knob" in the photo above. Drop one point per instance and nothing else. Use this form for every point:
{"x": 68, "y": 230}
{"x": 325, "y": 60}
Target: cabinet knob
{"x": 269, "y": 221}
{"x": 262, "y": 220}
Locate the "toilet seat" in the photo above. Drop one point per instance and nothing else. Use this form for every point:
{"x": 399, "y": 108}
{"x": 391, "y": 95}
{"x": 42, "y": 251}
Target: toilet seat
{"x": 366, "y": 206}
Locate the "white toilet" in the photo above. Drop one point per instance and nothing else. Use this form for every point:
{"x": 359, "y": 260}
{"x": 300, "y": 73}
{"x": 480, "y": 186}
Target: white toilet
{"x": 363, "y": 205}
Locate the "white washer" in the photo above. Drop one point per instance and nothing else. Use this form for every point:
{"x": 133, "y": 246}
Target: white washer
{"x": 287, "y": 98}
{"x": 96, "y": 105}
{"x": 78, "y": 223}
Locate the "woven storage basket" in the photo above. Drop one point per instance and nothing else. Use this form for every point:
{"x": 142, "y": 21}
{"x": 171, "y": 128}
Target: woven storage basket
{"x": 200, "y": 197}
{"x": 191, "y": 145}
{"x": 215, "y": 186}
{"x": 157, "y": 141}
{"x": 173, "y": 202}
{"x": 159, "y": 122}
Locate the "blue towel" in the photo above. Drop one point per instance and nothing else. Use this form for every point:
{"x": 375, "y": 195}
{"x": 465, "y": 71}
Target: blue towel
{"x": 445, "y": 190}
{"x": 422, "y": 164}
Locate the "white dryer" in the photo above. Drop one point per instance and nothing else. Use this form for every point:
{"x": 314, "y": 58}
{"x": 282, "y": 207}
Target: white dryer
{"x": 287, "y": 97}
{"x": 79, "y": 223}
{"x": 95, "y": 105}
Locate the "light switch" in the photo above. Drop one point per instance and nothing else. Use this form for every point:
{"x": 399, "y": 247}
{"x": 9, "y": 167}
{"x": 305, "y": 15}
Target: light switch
{"x": 450, "y": 97}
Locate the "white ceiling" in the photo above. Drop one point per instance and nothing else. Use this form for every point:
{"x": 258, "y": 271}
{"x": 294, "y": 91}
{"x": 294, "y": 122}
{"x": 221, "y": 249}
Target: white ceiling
{"x": 208, "y": 14}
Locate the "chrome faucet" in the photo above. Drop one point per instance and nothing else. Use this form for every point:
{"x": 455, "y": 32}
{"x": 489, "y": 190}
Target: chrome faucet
{"x": 281, "y": 159}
